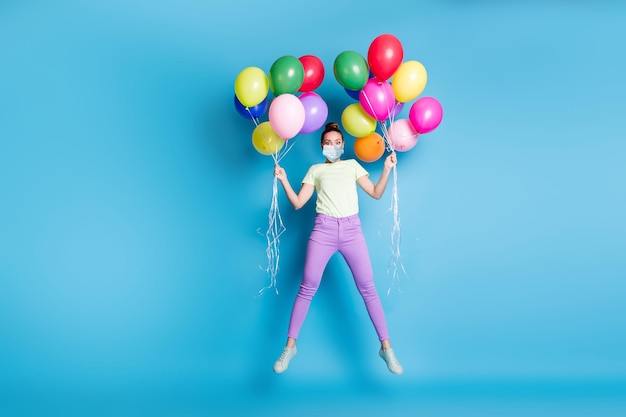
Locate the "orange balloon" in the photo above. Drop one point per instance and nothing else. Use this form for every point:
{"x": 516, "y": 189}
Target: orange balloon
{"x": 369, "y": 148}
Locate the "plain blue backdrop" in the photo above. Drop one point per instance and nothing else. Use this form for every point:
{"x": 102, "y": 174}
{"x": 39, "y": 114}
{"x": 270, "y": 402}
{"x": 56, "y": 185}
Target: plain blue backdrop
{"x": 133, "y": 209}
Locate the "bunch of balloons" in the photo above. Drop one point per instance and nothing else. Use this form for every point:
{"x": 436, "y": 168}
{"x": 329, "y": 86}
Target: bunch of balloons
{"x": 382, "y": 84}
{"x": 289, "y": 114}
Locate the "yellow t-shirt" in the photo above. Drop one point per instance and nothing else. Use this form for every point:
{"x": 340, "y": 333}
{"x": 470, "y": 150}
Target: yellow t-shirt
{"x": 335, "y": 184}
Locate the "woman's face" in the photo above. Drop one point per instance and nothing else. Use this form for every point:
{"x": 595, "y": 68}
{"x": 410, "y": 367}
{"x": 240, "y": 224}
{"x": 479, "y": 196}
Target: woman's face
{"x": 332, "y": 139}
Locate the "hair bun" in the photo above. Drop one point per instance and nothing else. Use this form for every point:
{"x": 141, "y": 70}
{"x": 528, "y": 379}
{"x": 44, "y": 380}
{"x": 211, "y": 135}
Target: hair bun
{"x": 331, "y": 127}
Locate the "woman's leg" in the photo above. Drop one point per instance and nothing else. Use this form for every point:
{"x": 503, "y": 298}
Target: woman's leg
{"x": 322, "y": 245}
{"x": 354, "y": 250}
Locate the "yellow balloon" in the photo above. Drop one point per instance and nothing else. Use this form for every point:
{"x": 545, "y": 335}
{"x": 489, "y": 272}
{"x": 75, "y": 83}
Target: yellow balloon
{"x": 251, "y": 86}
{"x": 265, "y": 140}
{"x": 356, "y": 122}
{"x": 409, "y": 81}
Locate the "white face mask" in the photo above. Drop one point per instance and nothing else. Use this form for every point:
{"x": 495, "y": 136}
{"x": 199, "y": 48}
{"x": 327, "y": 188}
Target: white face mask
{"x": 332, "y": 153}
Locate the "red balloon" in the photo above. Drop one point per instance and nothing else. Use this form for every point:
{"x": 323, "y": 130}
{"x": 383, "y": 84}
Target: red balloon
{"x": 384, "y": 56}
{"x": 313, "y": 73}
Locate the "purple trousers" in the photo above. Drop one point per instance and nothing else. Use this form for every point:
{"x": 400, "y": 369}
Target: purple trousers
{"x": 329, "y": 235}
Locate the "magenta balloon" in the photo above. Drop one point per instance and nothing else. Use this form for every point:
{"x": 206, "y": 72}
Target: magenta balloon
{"x": 377, "y": 99}
{"x": 426, "y": 114}
{"x": 286, "y": 115}
{"x": 315, "y": 112}
{"x": 402, "y": 135}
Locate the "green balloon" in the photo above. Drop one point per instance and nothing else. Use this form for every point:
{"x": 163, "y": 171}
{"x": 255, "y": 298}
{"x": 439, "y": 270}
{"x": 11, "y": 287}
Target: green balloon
{"x": 351, "y": 70}
{"x": 286, "y": 75}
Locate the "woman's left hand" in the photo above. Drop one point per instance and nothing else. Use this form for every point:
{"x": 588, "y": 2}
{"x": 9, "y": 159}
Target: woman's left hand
{"x": 390, "y": 161}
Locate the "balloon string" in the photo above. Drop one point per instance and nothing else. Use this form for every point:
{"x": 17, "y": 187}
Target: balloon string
{"x": 280, "y": 154}
{"x": 388, "y": 144}
{"x": 274, "y": 230}
{"x": 395, "y": 264}
{"x": 254, "y": 119}
{"x": 275, "y": 227}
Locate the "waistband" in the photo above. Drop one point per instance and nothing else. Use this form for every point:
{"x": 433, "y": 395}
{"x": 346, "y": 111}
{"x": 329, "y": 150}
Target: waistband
{"x": 326, "y": 217}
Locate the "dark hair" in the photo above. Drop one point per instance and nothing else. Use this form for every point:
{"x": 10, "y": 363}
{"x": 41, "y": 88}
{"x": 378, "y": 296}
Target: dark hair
{"x": 331, "y": 127}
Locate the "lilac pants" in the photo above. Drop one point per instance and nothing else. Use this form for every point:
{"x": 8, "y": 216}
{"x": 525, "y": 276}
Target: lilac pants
{"x": 329, "y": 235}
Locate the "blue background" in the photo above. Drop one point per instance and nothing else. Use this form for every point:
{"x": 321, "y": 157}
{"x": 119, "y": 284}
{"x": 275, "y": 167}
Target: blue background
{"x": 133, "y": 207}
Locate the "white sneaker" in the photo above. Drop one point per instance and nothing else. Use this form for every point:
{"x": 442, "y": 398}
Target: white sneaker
{"x": 282, "y": 363}
{"x": 390, "y": 359}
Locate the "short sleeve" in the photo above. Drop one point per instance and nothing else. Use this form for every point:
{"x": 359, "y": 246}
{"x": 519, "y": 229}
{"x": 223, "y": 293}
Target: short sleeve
{"x": 308, "y": 177}
{"x": 360, "y": 171}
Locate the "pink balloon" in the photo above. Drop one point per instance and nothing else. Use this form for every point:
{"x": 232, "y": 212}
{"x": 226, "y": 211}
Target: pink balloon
{"x": 426, "y": 114}
{"x": 402, "y": 135}
{"x": 315, "y": 112}
{"x": 286, "y": 115}
{"x": 377, "y": 99}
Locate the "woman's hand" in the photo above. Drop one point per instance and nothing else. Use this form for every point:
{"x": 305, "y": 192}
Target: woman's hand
{"x": 280, "y": 173}
{"x": 390, "y": 161}
{"x": 296, "y": 200}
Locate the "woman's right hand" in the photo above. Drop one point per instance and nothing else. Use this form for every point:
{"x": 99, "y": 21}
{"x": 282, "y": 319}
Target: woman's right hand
{"x": 280, "y": 173}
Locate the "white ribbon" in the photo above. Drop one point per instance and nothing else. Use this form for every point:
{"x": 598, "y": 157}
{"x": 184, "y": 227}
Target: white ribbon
{"x": 275, "y": 226}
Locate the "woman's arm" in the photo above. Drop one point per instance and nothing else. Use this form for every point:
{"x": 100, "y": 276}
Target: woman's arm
{"x": 378, "y": 190}
{"x": 296, "y": 200}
